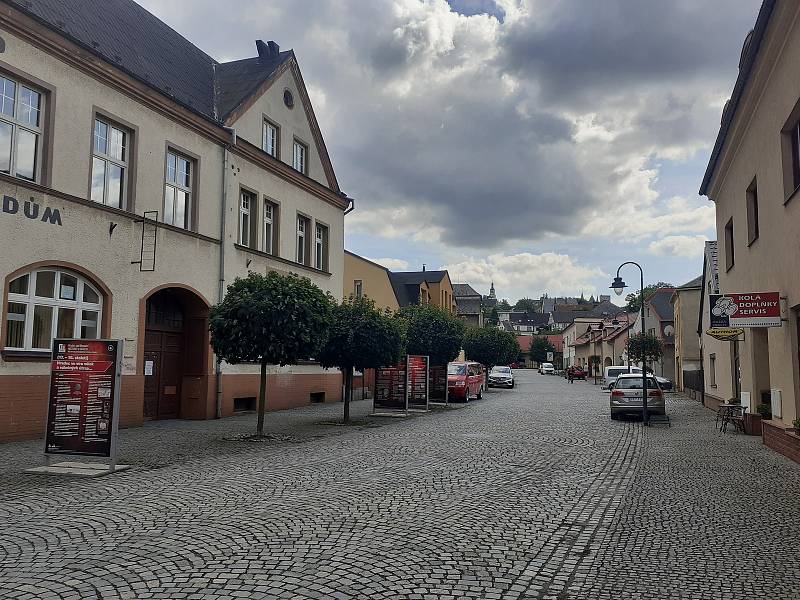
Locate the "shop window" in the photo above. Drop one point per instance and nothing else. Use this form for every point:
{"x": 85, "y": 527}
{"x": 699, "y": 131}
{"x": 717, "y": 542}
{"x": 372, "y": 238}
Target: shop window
{"x": 21, "y": 119}
{"x": 50, "y": 303}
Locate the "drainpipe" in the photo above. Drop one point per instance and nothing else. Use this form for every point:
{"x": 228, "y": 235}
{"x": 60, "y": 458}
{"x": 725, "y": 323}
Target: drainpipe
{"x": 221, "y": 290}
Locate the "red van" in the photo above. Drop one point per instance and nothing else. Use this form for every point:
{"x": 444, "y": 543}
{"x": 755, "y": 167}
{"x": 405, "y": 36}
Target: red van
{"x": 465, "y": 380}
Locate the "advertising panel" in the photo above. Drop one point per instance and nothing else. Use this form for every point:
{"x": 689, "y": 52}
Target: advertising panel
{"x": 390, "y": 388}
{"x": 437, "y": 383}
{"x": 417, "y": 377}
{"x": 83, "y": 407}
{"x": 754, "y": 309}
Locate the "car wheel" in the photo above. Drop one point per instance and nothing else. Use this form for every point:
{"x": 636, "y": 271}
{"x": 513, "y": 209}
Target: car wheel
{"x": 614, "y": 417}
{"x": 513, "y": 384}
{"x": 480, "y": 393}
{"x": 466, "y": 395}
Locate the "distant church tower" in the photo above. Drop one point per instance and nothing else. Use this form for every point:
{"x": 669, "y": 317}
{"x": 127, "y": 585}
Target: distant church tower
{"x": 491, "y": 292}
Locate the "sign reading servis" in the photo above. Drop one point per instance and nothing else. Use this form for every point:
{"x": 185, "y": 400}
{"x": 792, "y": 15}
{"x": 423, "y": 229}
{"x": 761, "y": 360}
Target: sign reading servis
{"x": 755, "y": 309}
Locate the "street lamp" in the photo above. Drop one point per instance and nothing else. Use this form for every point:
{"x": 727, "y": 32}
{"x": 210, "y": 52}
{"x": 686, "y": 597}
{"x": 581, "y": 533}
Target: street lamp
{"x": 618, "y": 286}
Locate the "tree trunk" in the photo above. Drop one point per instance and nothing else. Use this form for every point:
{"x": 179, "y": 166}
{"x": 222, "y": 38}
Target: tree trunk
{"x": 262, "y": 399}
{"x": 348, "y": 392}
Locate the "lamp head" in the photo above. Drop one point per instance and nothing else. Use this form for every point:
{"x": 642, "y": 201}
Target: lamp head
{"x": 618, "y": 286}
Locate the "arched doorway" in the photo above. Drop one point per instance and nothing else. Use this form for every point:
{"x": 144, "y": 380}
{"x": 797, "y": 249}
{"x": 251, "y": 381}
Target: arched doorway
{"x": 607, "y": 362}
{"x": 175, "y": 351}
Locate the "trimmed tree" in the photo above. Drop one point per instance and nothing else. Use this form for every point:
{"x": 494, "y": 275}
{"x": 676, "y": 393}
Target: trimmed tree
{"x": 491, "y": 347}
{"x": 433, "y": 332}
{"x": 270, "y": 319}
{"x": 644, "y": 348}
{"x": 540, "y": 346}
{"x": 360, "y": 337}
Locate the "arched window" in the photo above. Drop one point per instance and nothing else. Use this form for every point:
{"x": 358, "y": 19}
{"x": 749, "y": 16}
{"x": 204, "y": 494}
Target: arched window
{"x": 51, "y": 303}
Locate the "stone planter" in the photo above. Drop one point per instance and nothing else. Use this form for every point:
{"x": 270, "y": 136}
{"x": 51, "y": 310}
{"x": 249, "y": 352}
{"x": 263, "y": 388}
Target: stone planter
{"x": 781, "y": 439}
{"x": 752, "y": 423}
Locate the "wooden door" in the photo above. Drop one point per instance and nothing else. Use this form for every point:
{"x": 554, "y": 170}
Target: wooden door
{"x": 162, "y": 387}
{"x": 152, "y": 376}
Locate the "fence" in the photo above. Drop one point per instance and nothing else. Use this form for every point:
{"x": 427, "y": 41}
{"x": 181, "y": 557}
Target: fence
{"x": 693, "y": 380}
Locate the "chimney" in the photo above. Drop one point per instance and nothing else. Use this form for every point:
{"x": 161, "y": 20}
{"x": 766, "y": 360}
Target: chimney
{"x": 423, "y": 267}
{"x": 268, "y": 49}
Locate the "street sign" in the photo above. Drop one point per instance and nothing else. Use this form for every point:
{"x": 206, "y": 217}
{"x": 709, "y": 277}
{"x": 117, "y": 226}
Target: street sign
{"x": 754, "y": 309}
{"x": 550, "y": 357}
{"x": 83, "y": 407}
{"x": 725, "y": 334}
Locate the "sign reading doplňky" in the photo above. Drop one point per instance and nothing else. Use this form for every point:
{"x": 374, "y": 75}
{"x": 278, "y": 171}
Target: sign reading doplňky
{"x": 725, "y": 334}
{"x": 755, "y": 309}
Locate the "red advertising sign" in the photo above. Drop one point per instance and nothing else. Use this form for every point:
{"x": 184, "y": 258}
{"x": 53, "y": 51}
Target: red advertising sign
{"x": 417, "y": 376}
{"x": 84, "y": 397}
{"x": 755, "y": 309}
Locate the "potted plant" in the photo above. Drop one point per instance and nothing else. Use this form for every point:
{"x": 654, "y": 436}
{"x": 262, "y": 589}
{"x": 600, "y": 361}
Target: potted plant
{"x": 765, "y": 411}
{"x": 796, "y": 425}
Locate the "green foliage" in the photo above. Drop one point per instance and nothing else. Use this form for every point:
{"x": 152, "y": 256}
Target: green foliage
{"x": 503, "y": 305}
{"x": 269, "y": 319}
{"x": 645, "y": 348}
{"x": 796, "y": 424}
{"x": 765, "y": 410}
{"x": 540, "y": 346}
{"x": 491, "y": 346}
{"x": 634, "y": 299}
{"x": 527, "y": 304}
{"x": 493, "y": 319}
{"x": 431, "y": 331}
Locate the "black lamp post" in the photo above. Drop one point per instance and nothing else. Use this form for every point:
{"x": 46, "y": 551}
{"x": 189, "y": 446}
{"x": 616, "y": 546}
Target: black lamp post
{"x": 618, "y": 286}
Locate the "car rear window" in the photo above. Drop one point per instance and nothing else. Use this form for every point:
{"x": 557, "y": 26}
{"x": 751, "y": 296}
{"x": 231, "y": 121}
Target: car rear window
{"x": 616, "y": 372}
{"x": 501, "y": 370}
{"x": 634, "y": 383}
{"x": 456, "y": 369}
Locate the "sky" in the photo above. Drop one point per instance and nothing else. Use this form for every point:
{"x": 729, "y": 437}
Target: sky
{"x": 537, "y": 144}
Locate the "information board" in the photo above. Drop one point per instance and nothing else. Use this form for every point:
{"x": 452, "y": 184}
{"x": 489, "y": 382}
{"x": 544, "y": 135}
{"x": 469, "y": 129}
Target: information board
{"x": 417, "y": 381}
{"x": 84, "y": 397}
{"x": 754, "y": 309}
{"x": 437, "y": 383}
{"x": 390, "y": 388}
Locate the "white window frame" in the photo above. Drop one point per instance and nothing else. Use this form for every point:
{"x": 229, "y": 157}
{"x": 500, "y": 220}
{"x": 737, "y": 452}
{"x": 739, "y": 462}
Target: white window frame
{"x": 268, "y": 227}
{"x": 177, "y": 186}
{"x": 302, "y": 232}
{"x": 268, "y": 127}
{"x": 300, "y": 157}
{"x": 30, "y": 300}
{"x": 320, "y": 246}
{"x": 245, "y": 206}
{"x": 358, "y": 288}
{"x": 108, "y": 159}
{"x": 18, "y": 124}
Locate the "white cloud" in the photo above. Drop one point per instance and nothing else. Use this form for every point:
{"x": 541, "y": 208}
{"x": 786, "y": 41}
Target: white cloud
{"x": 393, "y": 264}
{"x": 526, "y": 274}
{"x": 680, "y": 246}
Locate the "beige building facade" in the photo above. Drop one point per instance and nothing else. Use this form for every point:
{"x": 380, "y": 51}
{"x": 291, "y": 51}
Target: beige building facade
{"x": 686, "y": 310}
{"x": 753, "y": 179}
{"x": 232, "y": 177}
{"x": 362, "y": 277}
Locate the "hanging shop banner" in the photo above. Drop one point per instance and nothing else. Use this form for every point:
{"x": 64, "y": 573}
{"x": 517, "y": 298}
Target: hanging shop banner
{"x": 417, "y": 368}
{"x": 437, "y": 383}
{"x": 755, "y": 309}
{"x": 84, "y": 397}
{"x": 725, "y": 334}
{"x": 390, "y": 389}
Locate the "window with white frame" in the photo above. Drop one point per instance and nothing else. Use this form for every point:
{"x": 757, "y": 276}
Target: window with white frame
{"x": 246, "y": 202}
{"x": 299, "y": 157}
{"x": 302, "y": 239}
{"x": 269, "y": 142}
{"x": 321, "y": 247}
{"x": 51, "y": 303}
{"x": 178, "y": 189}
{"x": 21, "y": 121}
{"x": 269, "y": 220}
{"x": 109, "y": 163}
{"x": 358, "y": 288}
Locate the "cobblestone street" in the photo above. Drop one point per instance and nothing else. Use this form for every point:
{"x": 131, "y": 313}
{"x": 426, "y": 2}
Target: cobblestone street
{"x": 532, "y": 493}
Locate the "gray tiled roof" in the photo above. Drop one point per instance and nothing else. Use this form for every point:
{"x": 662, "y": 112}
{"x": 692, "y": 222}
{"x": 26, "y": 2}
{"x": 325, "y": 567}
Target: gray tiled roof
{"x": 468, "y": 305}
{"x": 697, "y": 282}
{"x": 406, "y": 284}
{"x": 126, "y": 35}
{"x": 464, "y": 289}
{"x": 660, "y": 301}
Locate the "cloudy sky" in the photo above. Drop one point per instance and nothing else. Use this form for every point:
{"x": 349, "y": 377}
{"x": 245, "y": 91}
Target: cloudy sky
{"x": 536, "y": 143}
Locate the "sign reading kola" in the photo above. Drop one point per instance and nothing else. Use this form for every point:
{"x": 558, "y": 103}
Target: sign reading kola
{"x": 756, "y": 309}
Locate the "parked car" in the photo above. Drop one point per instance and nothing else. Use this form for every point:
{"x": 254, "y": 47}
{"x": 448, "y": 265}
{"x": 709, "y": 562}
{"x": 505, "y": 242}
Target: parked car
{"x": 666, "y": 384}
{"x": 611, "y": 373}
{"x": 576, "y": 372}
{"x": 501, "y": 377}
{"x": 547, "y": 369}
{"x": 626, "y": 396}
{"x": 465, "y": 380}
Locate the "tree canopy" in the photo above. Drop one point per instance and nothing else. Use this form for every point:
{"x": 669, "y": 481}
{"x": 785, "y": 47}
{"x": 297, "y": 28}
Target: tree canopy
{"x": 431, "y": 331}
{"x": 503, "y": 305}
{"x": 634, "y": 299}
{"x": 527, "y": 305}
{"x": 269, "y": 319}
{"x": 540, "y": 346}
{"x": 360, "y": 337}
{"x": 491, "y": 346}
{"x": 644, "y": 348}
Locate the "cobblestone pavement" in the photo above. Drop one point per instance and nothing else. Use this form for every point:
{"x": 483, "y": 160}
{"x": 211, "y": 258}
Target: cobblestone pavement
{"x": 530, "y": 494}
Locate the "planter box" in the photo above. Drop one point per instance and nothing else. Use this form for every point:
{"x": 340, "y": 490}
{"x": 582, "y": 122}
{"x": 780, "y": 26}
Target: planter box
{"x": 752, "y": 424}
{"x": 781, "y": 439}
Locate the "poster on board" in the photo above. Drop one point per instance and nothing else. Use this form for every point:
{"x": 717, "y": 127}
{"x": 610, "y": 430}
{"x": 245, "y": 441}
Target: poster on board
{"x": 390, "y": 389}
{"x": 417, "y": 382}
{"x": 83, "y": 405}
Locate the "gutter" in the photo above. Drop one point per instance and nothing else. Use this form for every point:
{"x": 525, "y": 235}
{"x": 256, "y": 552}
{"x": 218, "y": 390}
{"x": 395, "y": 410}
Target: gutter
{"x": 221, "y": 290}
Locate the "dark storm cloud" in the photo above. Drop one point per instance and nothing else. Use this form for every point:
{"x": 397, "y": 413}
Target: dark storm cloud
{"x": 473, "y": 121}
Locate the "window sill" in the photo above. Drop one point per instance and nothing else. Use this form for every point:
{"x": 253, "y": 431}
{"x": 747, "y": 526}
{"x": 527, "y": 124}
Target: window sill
{"x": 791, "y": 196}
{"x": 284, "y": 261}
{"x": 25, "y": 355}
